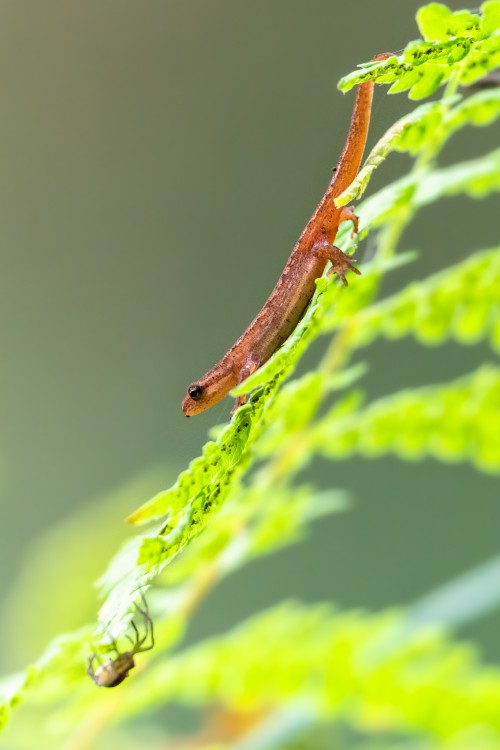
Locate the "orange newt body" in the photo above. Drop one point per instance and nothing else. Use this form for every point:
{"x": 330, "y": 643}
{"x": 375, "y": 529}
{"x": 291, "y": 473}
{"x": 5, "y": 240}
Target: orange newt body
{"x": 296, "y": 285}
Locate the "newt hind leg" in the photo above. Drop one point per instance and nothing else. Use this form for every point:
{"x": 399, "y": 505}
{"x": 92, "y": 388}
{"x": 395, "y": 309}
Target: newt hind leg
{"x": 339, "y": 260}
{"x": 341, "y": 263}
{"x": 347, "y": 214}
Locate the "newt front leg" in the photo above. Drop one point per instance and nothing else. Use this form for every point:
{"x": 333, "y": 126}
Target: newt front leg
{"x": 248, "y": 369}
{"x": 347, "y": 214}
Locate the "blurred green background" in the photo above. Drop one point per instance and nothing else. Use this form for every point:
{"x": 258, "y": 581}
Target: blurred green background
{"x": 159, "y": 160}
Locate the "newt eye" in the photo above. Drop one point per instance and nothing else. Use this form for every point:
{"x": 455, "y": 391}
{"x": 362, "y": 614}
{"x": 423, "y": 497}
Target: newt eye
{"x": 195, "y": 391}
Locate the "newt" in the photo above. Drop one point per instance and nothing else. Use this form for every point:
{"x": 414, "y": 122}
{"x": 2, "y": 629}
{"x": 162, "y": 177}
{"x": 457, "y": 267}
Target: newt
{"x": 296, "y": 285}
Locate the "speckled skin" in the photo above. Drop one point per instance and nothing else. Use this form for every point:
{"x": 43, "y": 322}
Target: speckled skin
{"x": 295, "y": 288}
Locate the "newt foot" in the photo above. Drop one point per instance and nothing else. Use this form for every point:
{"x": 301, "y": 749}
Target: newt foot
{"x": 342, "y": 263}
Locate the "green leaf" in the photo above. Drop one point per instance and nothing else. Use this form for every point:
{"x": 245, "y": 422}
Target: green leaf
{"x": 455, "y": 43}
{"x": 490, "y": 17}
{"x": 483, "y": 58}
{"x": 389, "y": 69}
{"x": 207, "y": 476}
{"x": 460, "y": 303}
{"x": 438, "y": 23}
{"x": 430, "y": 78}
{"x": 345, "y": 667}
{"x": 407, "y": 134}
{"x": 476, "y": 178}
{"x": 405, "y": 81}
{"x": 480, "y": 109}
{"x": 456, "y": 422}
{"x": 437, "y": 121}
{"x": 435, "y": 22}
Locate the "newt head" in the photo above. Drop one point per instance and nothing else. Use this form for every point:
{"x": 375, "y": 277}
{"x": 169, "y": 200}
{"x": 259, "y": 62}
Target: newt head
{"x": 210, "y": 388}
{"x": 202, "y": 395}
{"x": 193, "y": 402}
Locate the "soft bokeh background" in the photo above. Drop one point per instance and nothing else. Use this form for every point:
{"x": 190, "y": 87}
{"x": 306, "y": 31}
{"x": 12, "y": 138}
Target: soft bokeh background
{"x": 159, "y": 160}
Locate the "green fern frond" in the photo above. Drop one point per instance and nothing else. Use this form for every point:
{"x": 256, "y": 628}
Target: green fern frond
{"x": 208, "y": 476}
{"x": 474, "y": 177}
{"x": 462, "y": 303}
{"x": 59, "y": 669}
{"x": 456, "y": 422}
{"x": 479, "y": 738}
{"x": 367, "y": 670}
{"x": 459, "y": 45}
{"x": 436, "y": 121}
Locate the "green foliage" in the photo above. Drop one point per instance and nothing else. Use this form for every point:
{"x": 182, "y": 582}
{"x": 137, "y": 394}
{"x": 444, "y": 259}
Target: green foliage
{"x": 436, "y": 121}
{"x": 460, "y": 46}
{"x": 455, "y": 422}
{"x": 461, "y": 303}
{"x": 242, "y": 498}
{"x": 368, "y": 670}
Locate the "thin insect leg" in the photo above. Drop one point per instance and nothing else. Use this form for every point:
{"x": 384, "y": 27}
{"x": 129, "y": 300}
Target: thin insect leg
{"x": 149, "y": 633}
{"x": 148, "y": 624}
{"x": 139, "y": 641}
{"x": 90, "y": 668}
{"x": 144, "y": 609}
{"x": 137, "y": 636}
{"x": 112, "y": 640}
